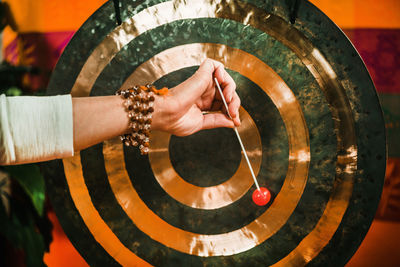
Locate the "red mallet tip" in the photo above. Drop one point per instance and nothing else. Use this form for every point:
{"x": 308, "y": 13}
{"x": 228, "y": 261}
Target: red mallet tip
{"x": 261, "y": 196}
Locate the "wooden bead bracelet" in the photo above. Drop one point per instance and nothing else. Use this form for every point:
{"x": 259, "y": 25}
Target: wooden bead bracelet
{"x": 139, "y": 101}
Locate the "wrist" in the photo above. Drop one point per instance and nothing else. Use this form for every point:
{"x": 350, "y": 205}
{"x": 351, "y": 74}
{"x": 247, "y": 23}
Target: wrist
{"x": 163, "y": 114}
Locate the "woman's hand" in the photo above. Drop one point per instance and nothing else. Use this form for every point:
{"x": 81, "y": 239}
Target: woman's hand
{"x": 180, "y": 112}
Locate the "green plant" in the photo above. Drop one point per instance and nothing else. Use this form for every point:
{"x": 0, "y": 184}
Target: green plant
{"x": 24, "y": 223}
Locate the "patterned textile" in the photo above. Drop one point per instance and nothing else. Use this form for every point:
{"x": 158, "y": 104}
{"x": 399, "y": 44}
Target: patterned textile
{"x": 380, "y": 50}
{"x": 41, "y": 50}
{"x": 39, "y": 32}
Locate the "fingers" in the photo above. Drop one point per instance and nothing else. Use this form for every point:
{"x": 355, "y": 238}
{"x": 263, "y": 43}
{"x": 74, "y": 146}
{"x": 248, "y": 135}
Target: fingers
{"x": 207, "y": 70}
{"x": 234, "y": 106}
{"x": 216, "y": 120}
{"x": 193, "y": 88}
{"x": 228, "y": 86}
{"x": 223, "y": 77}
{"x": 209, "y": 67}
{"x": 200, "y": 90}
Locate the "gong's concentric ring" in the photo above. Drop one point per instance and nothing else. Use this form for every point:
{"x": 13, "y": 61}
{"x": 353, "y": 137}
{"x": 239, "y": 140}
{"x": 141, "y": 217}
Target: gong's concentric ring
{"x": 239, "y": 240}
{"x": 211, "y": 197}
{"x": 284, "y": 204}
{"x": 302, "y": 101}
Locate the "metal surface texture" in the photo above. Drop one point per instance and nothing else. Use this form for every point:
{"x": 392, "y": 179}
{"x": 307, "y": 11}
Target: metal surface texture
{"x": 311, "y": 123}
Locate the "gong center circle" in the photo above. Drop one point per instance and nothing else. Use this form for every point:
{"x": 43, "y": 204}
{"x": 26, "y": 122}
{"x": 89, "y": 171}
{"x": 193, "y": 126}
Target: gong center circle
{"x": 207, "y": 158}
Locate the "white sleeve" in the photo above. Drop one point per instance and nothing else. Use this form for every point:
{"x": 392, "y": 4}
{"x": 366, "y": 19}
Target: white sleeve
{"x": 35, "y": 128}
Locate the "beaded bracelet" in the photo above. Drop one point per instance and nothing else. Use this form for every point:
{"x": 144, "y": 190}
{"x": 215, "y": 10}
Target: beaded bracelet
{"x": 139, "y": 101}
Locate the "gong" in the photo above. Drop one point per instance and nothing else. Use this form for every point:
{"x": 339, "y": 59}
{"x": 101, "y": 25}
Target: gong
{"x": 311, "y": 123}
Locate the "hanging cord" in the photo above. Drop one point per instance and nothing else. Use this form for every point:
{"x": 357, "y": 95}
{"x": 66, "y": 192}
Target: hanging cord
{"x": 295, "y": 10}
{"x": 117, "y": 12}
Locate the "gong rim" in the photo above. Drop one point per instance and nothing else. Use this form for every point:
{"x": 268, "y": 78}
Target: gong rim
{"x": 305, "y": 25}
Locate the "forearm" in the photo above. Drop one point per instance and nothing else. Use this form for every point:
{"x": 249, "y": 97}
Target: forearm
{"x": 97, "y": 119}
{"x": 100, "y": 118}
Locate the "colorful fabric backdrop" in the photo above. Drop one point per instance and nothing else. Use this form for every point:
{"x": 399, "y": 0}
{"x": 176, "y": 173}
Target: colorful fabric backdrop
{"x": 380, "y": 49}
{"x": 42, "y": 28}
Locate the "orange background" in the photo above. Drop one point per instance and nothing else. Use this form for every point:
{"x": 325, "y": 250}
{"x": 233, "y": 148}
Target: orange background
{"x": 57, "y": 15}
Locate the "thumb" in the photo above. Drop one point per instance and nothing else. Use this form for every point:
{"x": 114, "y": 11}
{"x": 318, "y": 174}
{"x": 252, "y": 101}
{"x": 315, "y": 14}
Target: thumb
{"x": 216, "y": 120}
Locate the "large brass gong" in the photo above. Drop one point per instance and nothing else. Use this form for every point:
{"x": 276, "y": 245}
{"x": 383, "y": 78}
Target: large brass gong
{"x": 311, "y": 123}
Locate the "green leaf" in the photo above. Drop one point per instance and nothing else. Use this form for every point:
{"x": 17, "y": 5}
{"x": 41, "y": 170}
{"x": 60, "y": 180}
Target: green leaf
{"x": 21, "y": 231}
{"x": 22, "y": 226}
{"x": 13, "y": 91}
{"x": 3, "y": 217}
{"x": 32, "y": 181}
{"x": 33, "y": 246}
